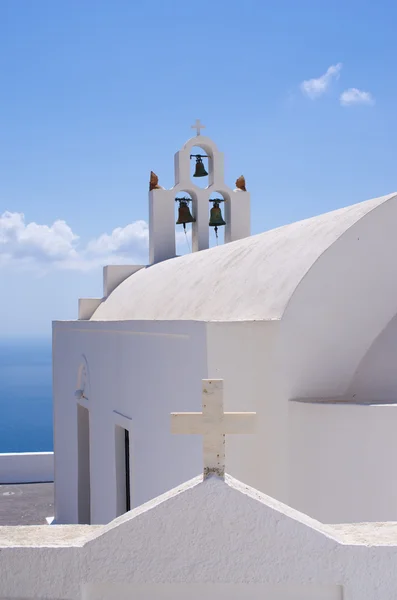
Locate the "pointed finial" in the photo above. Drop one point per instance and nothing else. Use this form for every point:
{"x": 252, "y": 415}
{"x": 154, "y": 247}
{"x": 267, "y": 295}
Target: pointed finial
{"x": 240, "y": 183}
{"x": 154, "y": 182}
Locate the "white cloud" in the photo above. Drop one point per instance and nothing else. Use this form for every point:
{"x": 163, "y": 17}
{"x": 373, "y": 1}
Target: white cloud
{"x": 314, "y": 88}
{"x": 354, "y": 96}
{"x": 45, "y": 246}
{"x": 131, "y": 239}
{"x": 31, "y": 241}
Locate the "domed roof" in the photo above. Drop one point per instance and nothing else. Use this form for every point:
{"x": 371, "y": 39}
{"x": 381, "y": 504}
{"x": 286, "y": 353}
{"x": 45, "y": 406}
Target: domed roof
{"x": 251, "y": 279}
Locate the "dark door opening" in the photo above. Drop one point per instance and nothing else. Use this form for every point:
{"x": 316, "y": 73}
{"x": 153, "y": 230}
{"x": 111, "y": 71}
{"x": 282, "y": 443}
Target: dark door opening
{"x": 83, "y": 474}
{"x": 127, "y": 470}
{"x": 123, "y": 470}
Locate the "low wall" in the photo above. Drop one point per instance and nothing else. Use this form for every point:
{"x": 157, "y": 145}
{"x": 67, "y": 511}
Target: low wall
{"x": 26, "y": 467}
{"x": 343, "y": 461}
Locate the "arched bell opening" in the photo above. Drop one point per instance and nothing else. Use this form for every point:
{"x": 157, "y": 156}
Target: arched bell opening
{"x": 184, "y": 219}
{"x": 200, "y": 167}
{"x": 217, "y": 221}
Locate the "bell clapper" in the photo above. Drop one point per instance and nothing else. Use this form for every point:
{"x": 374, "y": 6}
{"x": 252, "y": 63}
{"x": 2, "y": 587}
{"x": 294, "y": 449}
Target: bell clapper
{"x": 187, "y": 239}
{"x": 216, "y": 235}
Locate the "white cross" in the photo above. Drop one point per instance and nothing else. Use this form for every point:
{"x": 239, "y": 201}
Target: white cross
{"x": 198, "y": 126}
{"x": 213, "y": 424}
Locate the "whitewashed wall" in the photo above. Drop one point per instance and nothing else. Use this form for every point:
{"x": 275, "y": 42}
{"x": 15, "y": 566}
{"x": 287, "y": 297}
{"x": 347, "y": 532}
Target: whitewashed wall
{"x": 244, "y": 355}
{"x": 343, "y": 461}
{"x": 210, "y": 533}
{"x": 139, "y": 372}
{"x": 376, "y": 375}
{"x": 342, "y": 304}
{"x": 332, "y": 462}
{"x": 26, "y": 467}
{"x": 146, "y": 370}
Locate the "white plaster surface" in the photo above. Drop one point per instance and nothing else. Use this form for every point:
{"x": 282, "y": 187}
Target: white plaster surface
{"x": 162, "y": 204}
{"x": 121, "y": 358}
{"x": 368, "y": 534}
{"x": 162, "y": 244}
{"x": 251, "y": 279}
{"x": 341, "y": 306}
{"x": 44, "y": 535}
{"x": 319, "y": 298}
{"x": 113, "y": 275}
{"x": 244, "y": 355}
{"x": 196, "y": 591}
{"x": 213, "y": 532}
{"x": 27, "y": 467}
{"x": 376, "y": 375}
{"x": 341, "y": 458}
{"x": 133, "y": 367}
{"x": 87, "y": 307}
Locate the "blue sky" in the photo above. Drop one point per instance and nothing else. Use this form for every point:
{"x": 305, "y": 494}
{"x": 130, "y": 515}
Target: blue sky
{"x": 95, "y": 94}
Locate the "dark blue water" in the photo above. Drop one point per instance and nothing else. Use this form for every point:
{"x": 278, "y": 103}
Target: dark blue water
{"x": 25, "y": 395}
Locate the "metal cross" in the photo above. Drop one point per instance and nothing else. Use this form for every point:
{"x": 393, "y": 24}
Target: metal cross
{"x": 198, "y": 126}
{"x": 213, "y": 424}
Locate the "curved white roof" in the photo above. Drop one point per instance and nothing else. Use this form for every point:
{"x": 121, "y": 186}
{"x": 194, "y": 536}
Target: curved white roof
{"x": 251, "y": 279}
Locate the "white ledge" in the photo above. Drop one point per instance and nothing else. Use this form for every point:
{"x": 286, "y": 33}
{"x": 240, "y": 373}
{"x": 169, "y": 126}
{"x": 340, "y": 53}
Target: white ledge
{"x": 26, "y": 467}
{"x": 342, "y": 400}
{"x": 113, "y": 275}
{"x": 87, "y": 307}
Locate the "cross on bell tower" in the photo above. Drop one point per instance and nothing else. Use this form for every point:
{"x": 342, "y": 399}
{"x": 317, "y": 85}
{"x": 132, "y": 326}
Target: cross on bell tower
{"x": 162, "y": 224}
{"x": 198, "y": 126}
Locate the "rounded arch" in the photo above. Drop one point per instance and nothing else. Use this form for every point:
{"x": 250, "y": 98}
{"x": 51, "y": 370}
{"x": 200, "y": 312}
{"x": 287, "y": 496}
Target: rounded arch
{"x": 341, "y": 305}
{"x": 203, "y": 142}
{"x": 183, "y": 163}
{"x": 179, "y": 190}
{"x": 197, "y": 155}
{"x": 223, "y": 192}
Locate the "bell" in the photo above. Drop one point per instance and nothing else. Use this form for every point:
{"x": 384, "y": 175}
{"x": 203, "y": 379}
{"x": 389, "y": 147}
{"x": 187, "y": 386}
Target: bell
{"x": 216, "y": 219}
{"x": 184, "y": 214}
{"x": 200, "y": 169}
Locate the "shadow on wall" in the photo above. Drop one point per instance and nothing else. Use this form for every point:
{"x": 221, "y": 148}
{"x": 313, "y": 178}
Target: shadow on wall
{"x": 375, "y": 380}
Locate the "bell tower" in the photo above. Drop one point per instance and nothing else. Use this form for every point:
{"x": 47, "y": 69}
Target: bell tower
{"x": 236, "y": 205}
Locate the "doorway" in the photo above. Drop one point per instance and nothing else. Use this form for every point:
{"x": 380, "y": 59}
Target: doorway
{"x": 83, "y": 483}
{"x": 123, "y": 470}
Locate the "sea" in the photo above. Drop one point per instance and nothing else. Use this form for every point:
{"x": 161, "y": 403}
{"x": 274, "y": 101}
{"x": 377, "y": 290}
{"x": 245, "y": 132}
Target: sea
{"x": 26, "y": 395}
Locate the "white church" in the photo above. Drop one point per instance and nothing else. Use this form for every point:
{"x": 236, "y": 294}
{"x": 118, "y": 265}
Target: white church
{"x": 284, "y": 343}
